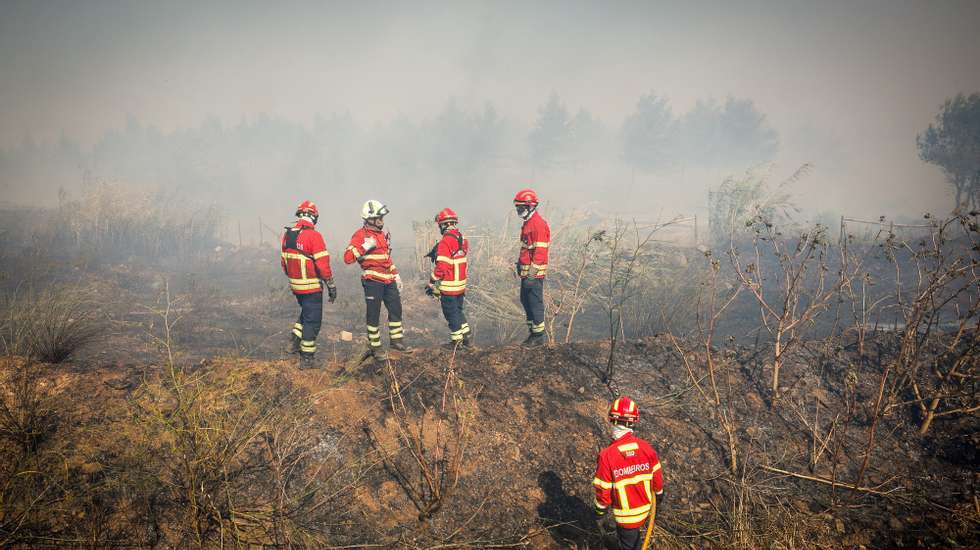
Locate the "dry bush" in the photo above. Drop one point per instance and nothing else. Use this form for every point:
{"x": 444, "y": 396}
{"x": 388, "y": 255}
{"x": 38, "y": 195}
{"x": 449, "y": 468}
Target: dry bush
{"x": 938, "y": 298}
{"x": 790, "y": 281}
{"x": 236, "y": 455}
{"x": 432, "y": 442}
{"x": 240, "y": 459}
{"x": 114, "y": 223}
{"x": 32, "y": 477}
{"x": 50, "y": 325}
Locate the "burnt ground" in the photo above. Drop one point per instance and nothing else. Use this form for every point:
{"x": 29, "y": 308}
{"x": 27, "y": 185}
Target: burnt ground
{"x": 532, "y": 424}
{"x": 536, "y": 421}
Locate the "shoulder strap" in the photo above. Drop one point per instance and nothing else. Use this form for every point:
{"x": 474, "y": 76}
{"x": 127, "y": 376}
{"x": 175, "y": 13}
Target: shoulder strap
{"x": 291, "y": 236}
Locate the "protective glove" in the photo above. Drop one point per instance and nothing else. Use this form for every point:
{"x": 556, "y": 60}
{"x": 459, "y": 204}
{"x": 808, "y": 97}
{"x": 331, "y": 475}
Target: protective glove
{"x": 661, "y": 497}
{"x": 432, "y": 290}
{"x": 600, "y": 511}
{"x": 517, "y": 269}
{"x": 369, "y": 244}
{"x": 398, "y": 282}
{"x": 331, "y": 294}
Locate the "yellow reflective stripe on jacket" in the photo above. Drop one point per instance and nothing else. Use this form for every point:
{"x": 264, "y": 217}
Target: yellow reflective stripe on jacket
{"x": 451, "y": 261}
{"x": 381, "y": 257}
{"x": 634, "y": 480}
{"x": 319, "y": 255}
{"x": 453, "y": 285}
{"x": 628, "y": 447}
{"x": 379, "y": 274}
{"x": 354, "y": 251}
{"x": 602, "y": 484}
{"x": 538, "y": 244}
{"x": 304, "y": 286}
{"x": 635, "y": 515}
{"x": 295, "y": 256}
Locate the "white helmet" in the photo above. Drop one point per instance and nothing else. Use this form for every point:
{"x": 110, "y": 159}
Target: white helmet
{"x": 373, "y": 209}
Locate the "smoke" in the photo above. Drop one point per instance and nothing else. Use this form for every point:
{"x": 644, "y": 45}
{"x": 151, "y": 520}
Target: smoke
{"x": 424, "y": 105}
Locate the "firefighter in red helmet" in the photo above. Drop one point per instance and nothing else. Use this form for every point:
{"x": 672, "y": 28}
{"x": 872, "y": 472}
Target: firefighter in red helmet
{"x": 628, "y": 476}
{"x": 448, "y": 279}
{"x": 532, "y": 263}
{"x": 306, "y": 262}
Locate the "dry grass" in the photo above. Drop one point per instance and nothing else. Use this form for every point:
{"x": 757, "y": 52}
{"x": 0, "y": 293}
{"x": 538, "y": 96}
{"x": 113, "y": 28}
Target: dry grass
{"x": 49, "y": 326}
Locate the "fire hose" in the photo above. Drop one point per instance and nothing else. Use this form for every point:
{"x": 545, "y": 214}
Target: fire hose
{"x": 653, "y": 515}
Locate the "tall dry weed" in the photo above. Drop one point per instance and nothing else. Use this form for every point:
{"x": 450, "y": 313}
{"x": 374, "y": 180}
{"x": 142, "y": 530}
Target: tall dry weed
{"x": 51, "y": 325}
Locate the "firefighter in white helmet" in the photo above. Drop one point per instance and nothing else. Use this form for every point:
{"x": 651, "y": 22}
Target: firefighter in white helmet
{"x": 370, "y": 247}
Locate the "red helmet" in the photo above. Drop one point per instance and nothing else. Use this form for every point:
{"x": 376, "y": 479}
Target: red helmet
{"x": 307, "y": 206}
{"x": 446, "y": 215}
{"x": 526, "y": 196}
{"x": 624, "y": 409}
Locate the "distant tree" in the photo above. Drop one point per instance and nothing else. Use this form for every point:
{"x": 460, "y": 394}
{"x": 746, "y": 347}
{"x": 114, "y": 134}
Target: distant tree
{"x": 649, "y": 134}
{"x": 551, "y": 138}
{"x": 953, "y": 144}
{"x": 731, "y": 135}
{"x": 747, "y": 136}
{"x": 464, "y": 143}
{"x": 700, "y": 134}
{"x": 587, "y": 133}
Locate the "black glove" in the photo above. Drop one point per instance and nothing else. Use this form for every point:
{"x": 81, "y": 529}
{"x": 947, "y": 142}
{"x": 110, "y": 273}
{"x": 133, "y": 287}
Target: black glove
{"x": 432, "y": 290}
{"x": 661, "y": 498}
{"x": 433, "y": 254}
{"x": 331, "y": 294}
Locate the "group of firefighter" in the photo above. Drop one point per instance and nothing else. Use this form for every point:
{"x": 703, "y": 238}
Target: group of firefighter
{"x": 628, "y": 473}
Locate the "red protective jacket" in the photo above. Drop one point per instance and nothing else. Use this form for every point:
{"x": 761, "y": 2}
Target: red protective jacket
{"x": 375, "y": 263}
{"x": 627, "y": 475}
{"x": 305, "y": 259}
{"x": 535, "y": 238}
{"x": 449, "y": 268}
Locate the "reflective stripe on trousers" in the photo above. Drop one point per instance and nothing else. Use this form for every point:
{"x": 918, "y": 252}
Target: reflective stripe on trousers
{"x": 307, "y": 327}
{"x": 377, "y": 293}
{"x": 452, "y": 310}
{"x": 532, "y": 298}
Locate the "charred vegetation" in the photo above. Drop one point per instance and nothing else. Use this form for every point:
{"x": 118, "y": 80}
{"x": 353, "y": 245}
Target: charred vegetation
{"x": 801, "y": 389}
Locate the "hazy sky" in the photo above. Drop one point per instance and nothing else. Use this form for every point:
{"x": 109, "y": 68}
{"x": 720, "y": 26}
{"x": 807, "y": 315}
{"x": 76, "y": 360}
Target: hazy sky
{"x": 846, "y": 84}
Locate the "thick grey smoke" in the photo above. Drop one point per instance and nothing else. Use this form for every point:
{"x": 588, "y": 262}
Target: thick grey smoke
{"x": 630, "y": 108}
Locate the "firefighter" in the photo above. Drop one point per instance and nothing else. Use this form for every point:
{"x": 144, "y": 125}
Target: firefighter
{"x": 448, "y": 279}
{"x": 627, "y": 476}
{"x": 306, "y": 262}
{"x": 532, "y": 264}
{"x": 370, "y": 247}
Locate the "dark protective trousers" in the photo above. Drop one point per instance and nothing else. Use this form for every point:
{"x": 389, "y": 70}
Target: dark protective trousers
{"x": 308, "y": 326}
{"x": 452, "y": 310}
{"x": 376, "y": 293}
{"x": 532, "y": 298}
{"x": 630, "y": 539}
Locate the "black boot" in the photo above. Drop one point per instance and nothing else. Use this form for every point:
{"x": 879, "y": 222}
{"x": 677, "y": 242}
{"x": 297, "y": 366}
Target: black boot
{"x": 398, "y": 345}
{"x": 452, "y": 345}
{"x": 308, "y": 361}
{"x": 468, "y": 341}
{"x": 534, "y": 340}
{"x": 377, "y": 353}
{"x": 293, "y": 344}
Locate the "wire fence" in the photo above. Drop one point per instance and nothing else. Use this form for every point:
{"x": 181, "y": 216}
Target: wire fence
{"x": 868, "y": 230}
